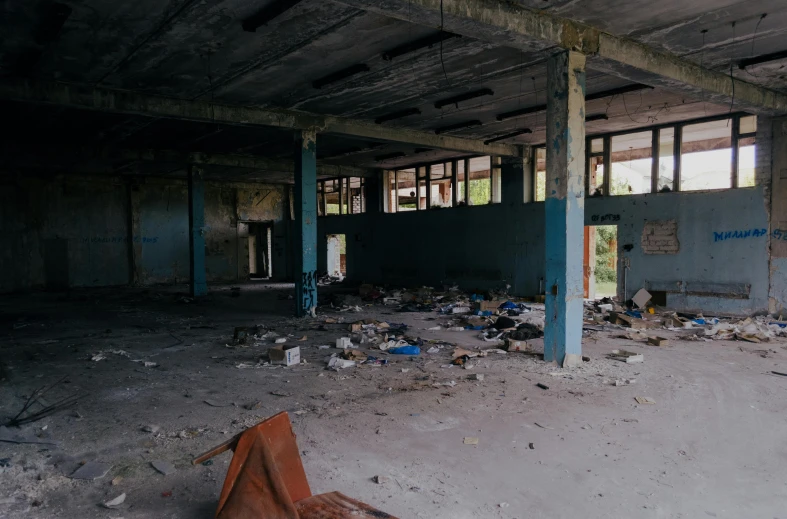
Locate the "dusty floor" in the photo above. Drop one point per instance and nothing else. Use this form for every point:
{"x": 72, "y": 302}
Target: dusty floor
{"x": 712, "y": 445}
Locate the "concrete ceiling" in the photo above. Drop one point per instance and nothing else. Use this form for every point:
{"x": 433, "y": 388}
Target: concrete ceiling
{"x": 199, "y": 50}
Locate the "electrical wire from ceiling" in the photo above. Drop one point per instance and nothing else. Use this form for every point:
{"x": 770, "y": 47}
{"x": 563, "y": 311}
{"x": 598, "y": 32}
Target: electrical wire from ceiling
{"x": 442, "y": 62}
{"x": 753, "y": 38}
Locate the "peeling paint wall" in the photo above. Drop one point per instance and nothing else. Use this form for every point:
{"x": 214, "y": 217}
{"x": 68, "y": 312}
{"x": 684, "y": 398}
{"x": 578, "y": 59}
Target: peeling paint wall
{"x": 74, "y": 231}
{"x": 488, "y": 246}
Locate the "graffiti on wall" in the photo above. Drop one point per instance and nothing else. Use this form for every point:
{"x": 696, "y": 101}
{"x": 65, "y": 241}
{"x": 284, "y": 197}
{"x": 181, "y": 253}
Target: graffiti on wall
{"x": 308, "y": 291}
{"x": 601, "y": 218}
{"x": 739, "y": 235}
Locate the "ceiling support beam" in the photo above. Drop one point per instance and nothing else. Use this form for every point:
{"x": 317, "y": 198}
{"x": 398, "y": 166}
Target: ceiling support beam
{"x": 133, "y": 156}
{"x": 116, "y": 101}
{"x": 512, "y": 25}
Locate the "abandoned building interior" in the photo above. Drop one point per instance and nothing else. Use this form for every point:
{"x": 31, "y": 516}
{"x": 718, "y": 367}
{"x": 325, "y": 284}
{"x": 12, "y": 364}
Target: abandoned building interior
{"x": 493, "y": 259}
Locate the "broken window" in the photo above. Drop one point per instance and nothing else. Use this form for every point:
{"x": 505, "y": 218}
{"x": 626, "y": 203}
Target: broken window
{"x": 666, "y": 169}
{"x": 747, "y": 131}
{"x": 706, "y": 156}
{"x": 441, "y": 190}
{"x": 331, "y": 193}
{"x": 480, "y": 180}
{"x": 422, "y": 186}
{"x": 460, "y": 183}
{"x": 595, "y": 167}
{"x": 320, "y": 199}
{"x": 540, "y": 178}
{"x": 357, "y": 195}
{"x": 631, "y": 163}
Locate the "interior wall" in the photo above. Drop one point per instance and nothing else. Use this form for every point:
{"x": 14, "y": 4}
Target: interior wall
{"x": 487, "y": 246}
{"x": 80, "y": 231}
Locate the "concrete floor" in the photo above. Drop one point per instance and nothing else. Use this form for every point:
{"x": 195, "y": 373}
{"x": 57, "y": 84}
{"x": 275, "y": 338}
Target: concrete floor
{"x": 712, "y": 445}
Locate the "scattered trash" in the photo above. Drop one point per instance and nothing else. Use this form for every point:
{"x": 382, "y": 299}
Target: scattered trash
{"x": 543, "y": 426}
{"x": 628, "y": 357}
{"x": 531, "y": 446}
{"x": 116, "y": 480}
{"x": 151, "y": 428}
{"x": 280, "y": 340}
{"x": 119, "y": 500}
{"x": 476, "y": 376}
{"x": 469, "y": 440}
{"x": 542, "y": 386}
{"x": 91, "y": 470}
{"x": 624, "y": 382}
{"x": 778, "y": 373}
{"x": 381, "y": 480}
{"x": 214, "y": 403}
{"x": 644, "y": 400}
{"x": 338, "y": 363}
{"x": 641, "y": 298}
{"x": 164, "y": 467}
{"x": 343, "y": 343}
{"x": 280, "y": 393}
{"x": 658, "y": 341}
{"x": 405, "y": 350}
{"x": 284, "y": 355}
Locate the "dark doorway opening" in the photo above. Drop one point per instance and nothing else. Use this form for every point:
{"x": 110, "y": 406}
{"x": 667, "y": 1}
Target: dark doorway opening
{"x": 260, "y": 248}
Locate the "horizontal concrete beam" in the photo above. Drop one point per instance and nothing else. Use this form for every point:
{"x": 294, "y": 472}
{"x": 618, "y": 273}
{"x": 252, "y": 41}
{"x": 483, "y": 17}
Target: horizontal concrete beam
{"x": 58, "y": 157}
{"x": 116, "y": 101}
{"x": 512, "y": 25}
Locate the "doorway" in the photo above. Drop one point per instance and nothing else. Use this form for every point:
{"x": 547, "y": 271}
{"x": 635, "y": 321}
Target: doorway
{"x": 260, "y": 247}
{"x": 337, "y": 255}
{"x": 601, "y": 261}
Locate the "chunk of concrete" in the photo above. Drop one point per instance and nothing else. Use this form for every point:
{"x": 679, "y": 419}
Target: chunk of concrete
{"x": 91, "y": 470}
{"x": 164, "y": 467}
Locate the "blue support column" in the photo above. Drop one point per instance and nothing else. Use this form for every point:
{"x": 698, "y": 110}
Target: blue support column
{"x": 305, "y": 193}
{"x": 565, "y": 207}
{"x": 198, "y": 284}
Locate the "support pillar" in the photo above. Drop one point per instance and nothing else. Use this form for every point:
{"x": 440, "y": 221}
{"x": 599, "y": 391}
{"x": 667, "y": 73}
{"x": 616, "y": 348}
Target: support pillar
{"x": 198, "y": 284}
{"x": 305, "y": 204}
{"x": 514, "y": 179}
{"x": 565, "y": 206}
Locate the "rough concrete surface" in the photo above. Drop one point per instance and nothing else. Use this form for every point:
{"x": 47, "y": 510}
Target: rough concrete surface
{"x": 712, "y": 445}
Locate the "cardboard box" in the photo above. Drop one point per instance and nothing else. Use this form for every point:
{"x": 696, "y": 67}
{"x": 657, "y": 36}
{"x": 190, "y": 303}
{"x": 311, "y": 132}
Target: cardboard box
{"x": 286, "y": 355}
{"x": 512, "y": 345}
{"x": 491, "y": 306}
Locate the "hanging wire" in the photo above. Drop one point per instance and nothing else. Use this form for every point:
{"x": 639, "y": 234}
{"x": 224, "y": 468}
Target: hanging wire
{"x": 702, "y": 70}
{"x": 732, "y": 79}
{"x": 753, "y": 38}
{"x": 442, "y": 62}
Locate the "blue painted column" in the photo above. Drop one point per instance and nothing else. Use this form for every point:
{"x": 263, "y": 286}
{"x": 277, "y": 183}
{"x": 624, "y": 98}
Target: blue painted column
{"x": 565, "y": 207}
{"x": 198, "y": 285}
{"x": 305, "y": 193}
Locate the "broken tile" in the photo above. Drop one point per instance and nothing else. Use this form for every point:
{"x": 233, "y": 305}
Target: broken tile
{"x": 91, "y": 470}
{"x": 164, "y": 467}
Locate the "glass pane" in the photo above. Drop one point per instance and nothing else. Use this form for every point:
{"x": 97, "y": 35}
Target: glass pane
{"x": 706, "y": 157}
{"x": 460, "y": 186}
{"x": 345, "y": 196}
{"x": 441, "y": 195}
{"x": 666, "y": 160}
{"x": 746, "y": 152}
{"x": 748, "y": 124}
{"x": 422, "y": 187}
{"x": 405, "y": 190}
{"x": 541, "y": 175}
{"x": 332, "y": 196}
{"x": 597, "y": 146}
{"x": 596, "y": 176}
{"x": 480, "y": 181}
{"x": 391, "y": 191}
{"x": 632, "y": 163}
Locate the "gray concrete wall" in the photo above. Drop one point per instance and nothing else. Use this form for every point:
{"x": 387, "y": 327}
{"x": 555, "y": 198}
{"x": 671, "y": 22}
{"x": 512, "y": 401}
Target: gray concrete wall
{"x": 488, "y": 246}
{"x": 73, "y": 231}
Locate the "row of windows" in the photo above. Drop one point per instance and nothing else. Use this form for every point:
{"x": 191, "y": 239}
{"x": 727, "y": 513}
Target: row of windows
{"x": 454, "y": 183}
{"x": 713, "y": 154}
{"x": 341, "y": 196}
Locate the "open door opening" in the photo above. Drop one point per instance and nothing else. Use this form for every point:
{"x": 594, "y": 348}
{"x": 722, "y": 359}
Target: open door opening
{"x": 600, "y": 261}
{"x": 337, "y": 255}
{"x": 260, "y": 247}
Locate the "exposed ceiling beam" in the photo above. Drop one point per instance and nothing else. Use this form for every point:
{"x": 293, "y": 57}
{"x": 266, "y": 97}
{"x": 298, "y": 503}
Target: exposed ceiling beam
{"x": 512, "y": 25}
{"x": 116, "y": 101}
{"x": 131, "y": 156}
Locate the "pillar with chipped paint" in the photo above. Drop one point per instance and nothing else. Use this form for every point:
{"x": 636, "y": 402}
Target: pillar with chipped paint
{"x": 198, "y": 284}
{"x": 565, "y": 207}
{"x": 305, "y": 193}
